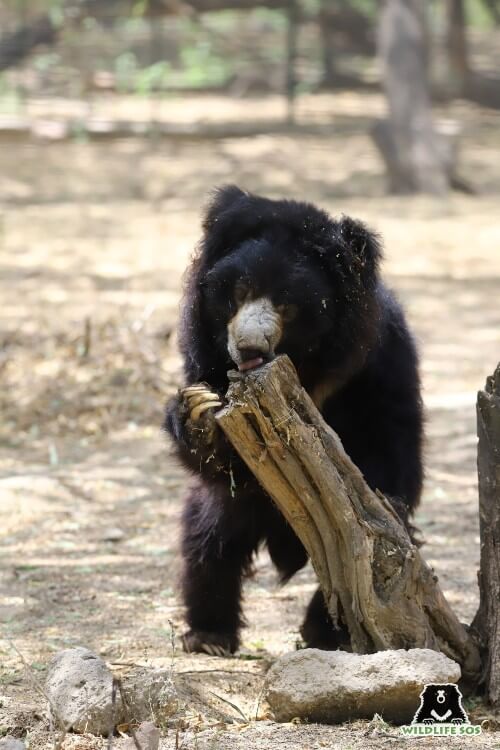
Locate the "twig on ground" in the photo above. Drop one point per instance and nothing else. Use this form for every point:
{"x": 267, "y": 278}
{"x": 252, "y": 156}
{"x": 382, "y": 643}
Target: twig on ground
{"x": 230, "y": 703}
{"x": 117, "y": 687}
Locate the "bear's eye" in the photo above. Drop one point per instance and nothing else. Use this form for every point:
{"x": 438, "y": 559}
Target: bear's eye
{"x": 288, "y": 312}
{"x": 241, "y": 291}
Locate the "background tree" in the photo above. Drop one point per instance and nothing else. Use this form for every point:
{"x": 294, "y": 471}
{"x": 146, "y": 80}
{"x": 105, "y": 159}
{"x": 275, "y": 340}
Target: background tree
{"x": 456, "y": 47}
{"x": 416, "y": 157}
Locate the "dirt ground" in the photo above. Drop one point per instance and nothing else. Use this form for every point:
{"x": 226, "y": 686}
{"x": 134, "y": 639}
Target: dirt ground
{"x": 94, "y": 238}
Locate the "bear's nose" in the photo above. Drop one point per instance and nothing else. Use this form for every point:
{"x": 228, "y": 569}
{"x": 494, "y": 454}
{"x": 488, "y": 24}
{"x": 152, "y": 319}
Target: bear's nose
{"x": 253, "y": 333}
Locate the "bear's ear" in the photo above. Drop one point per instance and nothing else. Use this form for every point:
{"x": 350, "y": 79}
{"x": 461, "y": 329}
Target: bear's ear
{"x": 362, "y": 242}
{"x": 223, "y": 199}
{"x": 232, "y": 217}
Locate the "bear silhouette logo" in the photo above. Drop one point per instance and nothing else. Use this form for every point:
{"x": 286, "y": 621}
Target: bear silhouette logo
{"x": 441, "y": 704}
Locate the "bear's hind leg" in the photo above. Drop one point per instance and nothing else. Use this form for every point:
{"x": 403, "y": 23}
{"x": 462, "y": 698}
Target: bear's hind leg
{"x": 318, "y": 630}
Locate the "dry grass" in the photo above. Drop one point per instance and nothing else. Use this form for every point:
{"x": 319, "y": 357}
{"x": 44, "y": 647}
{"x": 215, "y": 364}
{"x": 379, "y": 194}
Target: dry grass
{"x": 93, "y": 242}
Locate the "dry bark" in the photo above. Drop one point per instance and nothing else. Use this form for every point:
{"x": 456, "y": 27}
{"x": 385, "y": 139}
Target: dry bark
{"x": 487, "y": 621}
{"x": 363, "y": 556}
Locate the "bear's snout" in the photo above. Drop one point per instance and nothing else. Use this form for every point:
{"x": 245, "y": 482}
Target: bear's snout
{"x": 254, "y": 333}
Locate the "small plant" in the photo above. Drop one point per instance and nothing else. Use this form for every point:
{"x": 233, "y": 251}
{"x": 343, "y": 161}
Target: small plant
{"x": 152, "y": 78}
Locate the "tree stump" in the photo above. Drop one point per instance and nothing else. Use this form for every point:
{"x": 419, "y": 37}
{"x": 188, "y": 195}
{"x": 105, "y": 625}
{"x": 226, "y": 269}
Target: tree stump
{"x": 365, "y": 561}
{"x": 487, "y": 621}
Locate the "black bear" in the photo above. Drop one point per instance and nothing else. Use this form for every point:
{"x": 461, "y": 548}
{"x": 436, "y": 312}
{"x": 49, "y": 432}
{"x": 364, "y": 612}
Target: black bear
{"x": 440, "y": 704}
{"x": 273, "y": 276}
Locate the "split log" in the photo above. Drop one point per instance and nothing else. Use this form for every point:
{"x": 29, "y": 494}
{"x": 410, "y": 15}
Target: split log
{"x": 487, "y": 621}
{"x": 367, "y": 566}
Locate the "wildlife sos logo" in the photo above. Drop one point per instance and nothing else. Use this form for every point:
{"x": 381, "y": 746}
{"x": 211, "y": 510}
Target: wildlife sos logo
{"x": 440, "y": 713}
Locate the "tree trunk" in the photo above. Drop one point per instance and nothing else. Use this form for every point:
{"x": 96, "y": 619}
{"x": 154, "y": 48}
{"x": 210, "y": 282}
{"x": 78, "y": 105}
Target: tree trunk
{"x": 416, "y": 157}
{"x": 456, "y": 45}
{"x": 487, "y": 621}
{"x": 366, "y": 563}
{"x": 327, "y": 46}
{"x": 343, "y": 31}
{"x": 291, "y": 58}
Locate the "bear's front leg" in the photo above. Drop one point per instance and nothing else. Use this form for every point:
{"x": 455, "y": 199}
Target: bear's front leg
{"x": 190, "y": 420}
{"x": 219, "y": 538}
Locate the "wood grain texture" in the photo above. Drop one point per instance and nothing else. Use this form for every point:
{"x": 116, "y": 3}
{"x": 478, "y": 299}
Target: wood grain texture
{"x": 487, "y": 621}
{"x": 361, "y": 552}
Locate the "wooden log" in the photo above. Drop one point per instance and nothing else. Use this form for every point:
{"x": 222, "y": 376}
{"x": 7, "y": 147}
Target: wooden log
{"x": 487, "y": 621}
{"x": 362, "y": 554}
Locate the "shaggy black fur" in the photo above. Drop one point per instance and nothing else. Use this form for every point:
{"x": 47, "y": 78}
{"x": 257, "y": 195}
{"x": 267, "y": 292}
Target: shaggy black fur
{"x": 351, "y": 346}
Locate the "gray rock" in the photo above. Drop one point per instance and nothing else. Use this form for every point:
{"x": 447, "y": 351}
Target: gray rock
{"x": 11, "y": 743}
{"x": 148, "y": 736}
{"x": 79, "y": 690}
{"x": 334, "y": 686}
{"x": 113, "y": 534}
{"x": 151, "y": 695}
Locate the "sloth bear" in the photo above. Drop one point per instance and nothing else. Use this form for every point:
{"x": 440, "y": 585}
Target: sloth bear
{"x": 270, "y": 277}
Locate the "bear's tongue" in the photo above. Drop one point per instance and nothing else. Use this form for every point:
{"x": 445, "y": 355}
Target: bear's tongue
{"x": 250, "y": 364}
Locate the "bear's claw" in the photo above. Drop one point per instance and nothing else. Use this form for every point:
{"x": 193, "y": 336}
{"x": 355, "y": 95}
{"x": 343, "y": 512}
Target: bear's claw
{"x": 212, "y": 644}
{"x": 199, "y": 399}
{"x": 213, "y": 650}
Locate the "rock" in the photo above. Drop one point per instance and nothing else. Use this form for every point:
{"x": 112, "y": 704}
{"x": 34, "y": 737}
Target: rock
{"x": 11, "y": 743}
{"x": 150, "y": 694}
{"x": 335, "y": 686}
{"x": 148, "y": 736}
{"x": 113, "y": 535}
{"x": 79, "y": 690}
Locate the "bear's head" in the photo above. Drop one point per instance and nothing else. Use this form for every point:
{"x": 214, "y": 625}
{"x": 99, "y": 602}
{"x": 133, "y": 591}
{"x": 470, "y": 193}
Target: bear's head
{"x": 276, "y": 277}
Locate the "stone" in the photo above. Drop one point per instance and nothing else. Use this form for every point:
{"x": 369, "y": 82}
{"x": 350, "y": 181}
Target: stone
{"x": 147, "y": 735}
{"x": 335, "y": 686}
{"x": 79, "y": 691}
{"x": 113, "y": 534}
{"x": 11, "y": 743}
{"x": 150, "y": 694}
